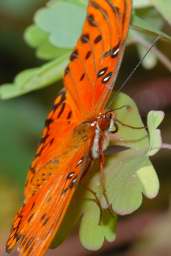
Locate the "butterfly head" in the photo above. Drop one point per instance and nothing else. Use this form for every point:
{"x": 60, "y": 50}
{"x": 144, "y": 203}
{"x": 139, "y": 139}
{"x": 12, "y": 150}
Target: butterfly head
{"x": 106, "y": 122}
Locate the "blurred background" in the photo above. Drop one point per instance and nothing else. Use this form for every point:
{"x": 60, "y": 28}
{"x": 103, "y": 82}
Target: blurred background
{"x": 146, "y": 232}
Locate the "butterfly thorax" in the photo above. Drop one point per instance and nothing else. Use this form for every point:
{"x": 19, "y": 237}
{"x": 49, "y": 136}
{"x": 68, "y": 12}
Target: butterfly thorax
{"x": 103, "y": 125}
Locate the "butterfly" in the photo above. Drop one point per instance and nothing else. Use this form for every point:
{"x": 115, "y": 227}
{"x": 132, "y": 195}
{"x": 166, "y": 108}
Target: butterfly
{"x": 76, "y": 129}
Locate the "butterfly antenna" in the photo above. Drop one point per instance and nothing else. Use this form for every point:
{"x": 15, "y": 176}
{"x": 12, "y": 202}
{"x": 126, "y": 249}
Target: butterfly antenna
{"x": 138, "y": 64}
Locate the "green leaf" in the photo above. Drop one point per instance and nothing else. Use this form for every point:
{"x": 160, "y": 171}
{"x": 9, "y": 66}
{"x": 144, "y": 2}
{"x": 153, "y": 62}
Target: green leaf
{"x": 154, "y": 119}
{"x": 141, "y": 25}
{"x": 151, "y": 16}
{"x": 56, "y": 20}
{"x": 95, "y": 229}
{"x": 149, "y": 180}
{"x": 141, "y": 3}
{"x": 35, "y": 36}
{"x": 36, "y": 78}
{"x": 163, "y": 7}
{"x": 39, "y": 39}
{"x": 124, "y": 188}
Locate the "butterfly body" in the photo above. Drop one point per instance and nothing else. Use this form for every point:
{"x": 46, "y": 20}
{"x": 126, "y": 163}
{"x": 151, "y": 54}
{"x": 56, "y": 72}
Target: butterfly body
{"x": 77, "y": 129}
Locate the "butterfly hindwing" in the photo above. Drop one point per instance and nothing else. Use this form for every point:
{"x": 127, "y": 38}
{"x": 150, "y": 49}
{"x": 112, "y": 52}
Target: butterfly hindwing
{"x": 42, "y": 213}
{"x": 60, "y": 122}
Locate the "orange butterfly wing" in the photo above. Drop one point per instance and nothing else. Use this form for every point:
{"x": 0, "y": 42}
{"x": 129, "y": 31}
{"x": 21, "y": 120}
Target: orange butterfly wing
{"x": 63, "y": 154}
{"x": 60, "y": 122}
{"x": 60, "y": 160}
{"x": 91, "y": 73}
{"x": 41, "y": 215}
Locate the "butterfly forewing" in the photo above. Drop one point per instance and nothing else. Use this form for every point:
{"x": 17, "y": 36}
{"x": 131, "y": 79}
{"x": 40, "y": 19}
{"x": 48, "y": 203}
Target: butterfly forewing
{"x": 94, "y": 63}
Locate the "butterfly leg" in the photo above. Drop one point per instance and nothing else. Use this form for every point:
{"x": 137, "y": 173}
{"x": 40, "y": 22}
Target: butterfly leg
{"x": 102, "y": 176}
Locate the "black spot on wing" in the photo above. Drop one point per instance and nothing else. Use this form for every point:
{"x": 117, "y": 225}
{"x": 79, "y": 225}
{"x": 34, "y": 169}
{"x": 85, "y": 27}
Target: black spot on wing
{"x": 113, "y": 52}
{"x": 38, "y": 153}
{"x": 69, "y": 115}
{"x": 51, "y": 142}
{"x": 88, "y": 54}
{"x": 32, "y": 169}
{"x": 81, "y": 78}
{"x": 100, "y": 9}
{"x": 30, "y": 217}
{"x": 43, "y": 139}
{"x": 114, "y": 8}
{"x": 45, "y": 221}
{"x": 98, "y": 39}
{"x": 62, "y": 98}
{"x": 102, "y": 72}
{"x": 74, "y": 55}
{"x": 91, "y": 20}
{"x": 61, "y": 110}
{"x": 66, "y": 71}
{"x": 85, "y": 38}
{"x": 48, "y": 122}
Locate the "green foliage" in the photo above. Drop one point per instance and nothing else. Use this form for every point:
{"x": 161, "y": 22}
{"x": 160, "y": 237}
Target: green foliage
{"x": 64, "y": 19}
{"x": 154, "y": 119}
{"x": 141, "y": 3}
{"x": 54, "y": 33}
{"x": 144, "y": 25}
{"x": 35, "y": 78}
{"x": 39, "y": 39}
{"x": 96, "y": 228}
{"x": 20, "y": 127}
{"x": 163, "y": 7}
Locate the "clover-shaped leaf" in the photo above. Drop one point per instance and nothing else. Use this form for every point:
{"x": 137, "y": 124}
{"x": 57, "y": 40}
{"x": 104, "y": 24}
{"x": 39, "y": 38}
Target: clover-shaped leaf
{"x": 97, "y": 223}
{"x": 154, "y": 119}
{"x": 128, "y": 173}
{"x": 133, "y": 176}
{"x": 149, "y": 180}
{"x": 96, "y": 228}
{"x": 63, "y": 21}
{"x": 39, "y": 39}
